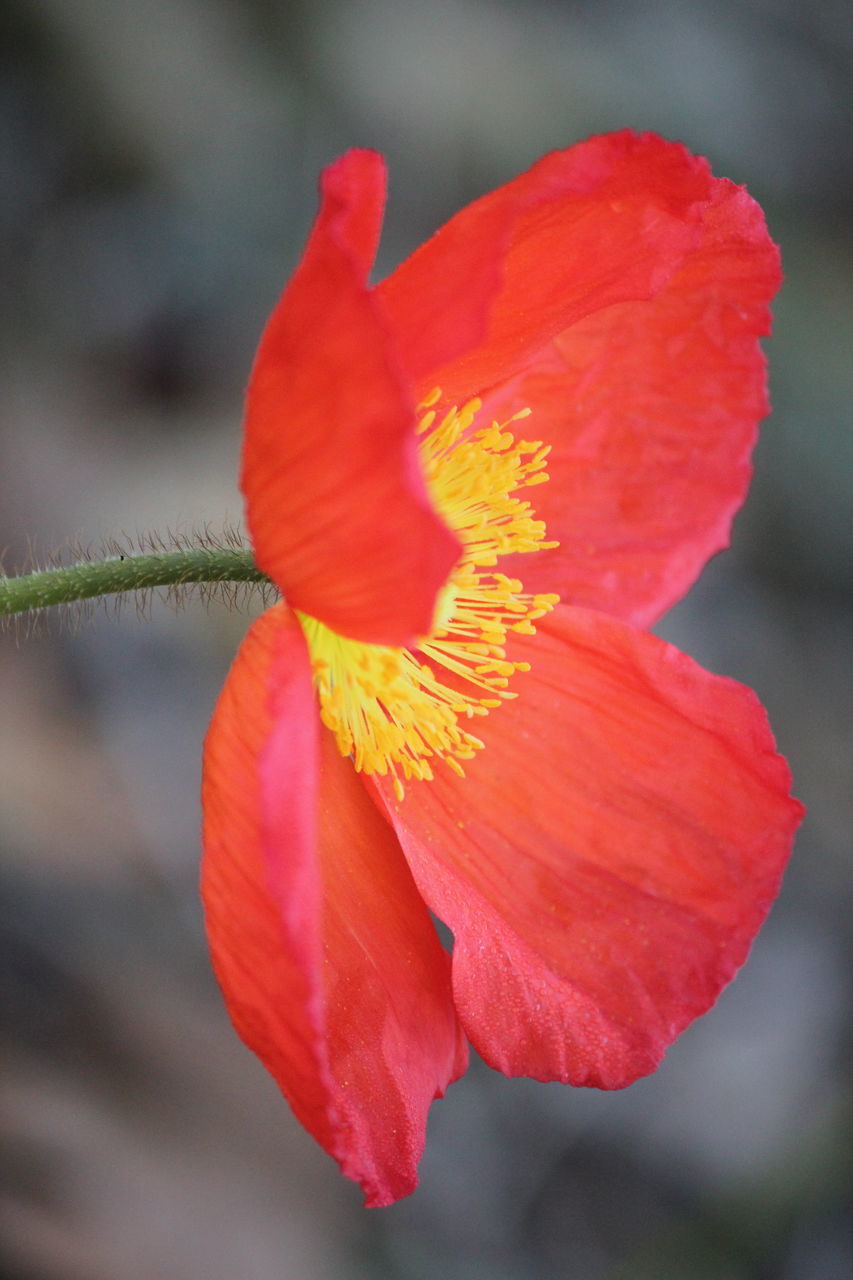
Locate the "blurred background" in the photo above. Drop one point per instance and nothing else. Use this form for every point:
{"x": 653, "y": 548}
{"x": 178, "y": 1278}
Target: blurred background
{"x": 159, "y": 166}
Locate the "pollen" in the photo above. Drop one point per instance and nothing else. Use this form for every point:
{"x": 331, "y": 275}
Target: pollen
{"x": 403, "y": 712}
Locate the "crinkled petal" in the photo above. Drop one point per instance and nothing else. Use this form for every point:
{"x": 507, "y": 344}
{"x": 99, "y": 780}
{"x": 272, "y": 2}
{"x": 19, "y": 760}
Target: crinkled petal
{"x": 337, "y": 508}
{"x": 609, "y": 857}
{"x": 651, "y": 410}
{"x": 330, "y": 966}
{"x": 606, "y": 221}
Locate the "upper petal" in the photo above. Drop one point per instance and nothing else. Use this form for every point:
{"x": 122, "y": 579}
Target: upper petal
{"x": 336, "y": 504}
{"x": 609, "y": 856}
{"x": 605, "y": 221}
{"x": 651, "y": 410}
{"x": 329, "y": 963}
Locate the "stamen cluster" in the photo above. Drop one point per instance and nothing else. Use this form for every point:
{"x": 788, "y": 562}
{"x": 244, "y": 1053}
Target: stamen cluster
{"x": 395, "y": 711}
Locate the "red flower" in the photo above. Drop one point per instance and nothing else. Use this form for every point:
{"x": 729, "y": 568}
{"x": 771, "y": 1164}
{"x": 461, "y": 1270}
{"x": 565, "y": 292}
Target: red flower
{"x": 605, "y": 836}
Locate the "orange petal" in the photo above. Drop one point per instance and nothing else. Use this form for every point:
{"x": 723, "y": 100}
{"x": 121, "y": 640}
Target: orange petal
{"x": 609, "y": 857}
{"x": 336, "y": 504}
{"x": 651, "y": 410}
{"x": 605, "y": 221}
{"x": 328, "y": 960}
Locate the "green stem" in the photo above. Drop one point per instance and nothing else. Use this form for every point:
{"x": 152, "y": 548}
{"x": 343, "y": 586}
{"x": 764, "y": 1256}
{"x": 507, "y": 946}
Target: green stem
{"x": 126, "y": 573}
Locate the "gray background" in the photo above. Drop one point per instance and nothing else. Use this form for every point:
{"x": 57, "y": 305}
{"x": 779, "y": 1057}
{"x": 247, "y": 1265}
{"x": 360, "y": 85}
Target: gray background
{"x": 159, "y": 166}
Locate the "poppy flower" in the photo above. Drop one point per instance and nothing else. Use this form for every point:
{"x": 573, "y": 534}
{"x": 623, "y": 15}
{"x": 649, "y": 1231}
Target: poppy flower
{"x": 418, "y": 725}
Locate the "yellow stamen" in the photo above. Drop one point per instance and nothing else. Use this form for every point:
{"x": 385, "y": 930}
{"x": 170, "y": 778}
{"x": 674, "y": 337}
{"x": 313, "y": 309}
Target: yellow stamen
{"x": 397, "y": 710}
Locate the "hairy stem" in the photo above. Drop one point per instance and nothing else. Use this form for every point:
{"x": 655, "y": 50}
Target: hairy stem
{"x": 125, "y": 573}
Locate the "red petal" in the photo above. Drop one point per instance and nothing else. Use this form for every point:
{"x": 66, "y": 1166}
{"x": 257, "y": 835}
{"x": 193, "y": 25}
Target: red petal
{"x": 336, "y": 504}
{"x": 330, "y": 966}
{"x": 651, "y": 409}
{"x": 609, "y": 857}
{"x": 605, "y": 221}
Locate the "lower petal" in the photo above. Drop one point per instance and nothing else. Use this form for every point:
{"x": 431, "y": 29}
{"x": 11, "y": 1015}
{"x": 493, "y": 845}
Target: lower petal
{"x": 330, "y": 966}
{"x": 609, "y": 857}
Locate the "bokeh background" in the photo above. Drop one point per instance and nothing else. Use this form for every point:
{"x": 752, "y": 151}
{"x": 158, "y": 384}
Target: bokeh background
{"x": 159, "y": 166}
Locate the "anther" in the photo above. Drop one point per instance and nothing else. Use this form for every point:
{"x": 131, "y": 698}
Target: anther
{"x": 389, "y": 708}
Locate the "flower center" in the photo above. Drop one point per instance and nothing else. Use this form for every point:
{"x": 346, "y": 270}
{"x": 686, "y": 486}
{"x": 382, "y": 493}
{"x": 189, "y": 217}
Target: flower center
{"x": 396, "y": 711}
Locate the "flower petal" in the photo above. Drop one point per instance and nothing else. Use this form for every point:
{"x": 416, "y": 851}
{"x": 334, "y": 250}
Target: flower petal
{"x": 605, "y": 221}
{"x": 330, "y": 966}
{"x": 336, "y": 504}
{"x": 609, "y": 857}
{"x": 651, "y": 410}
